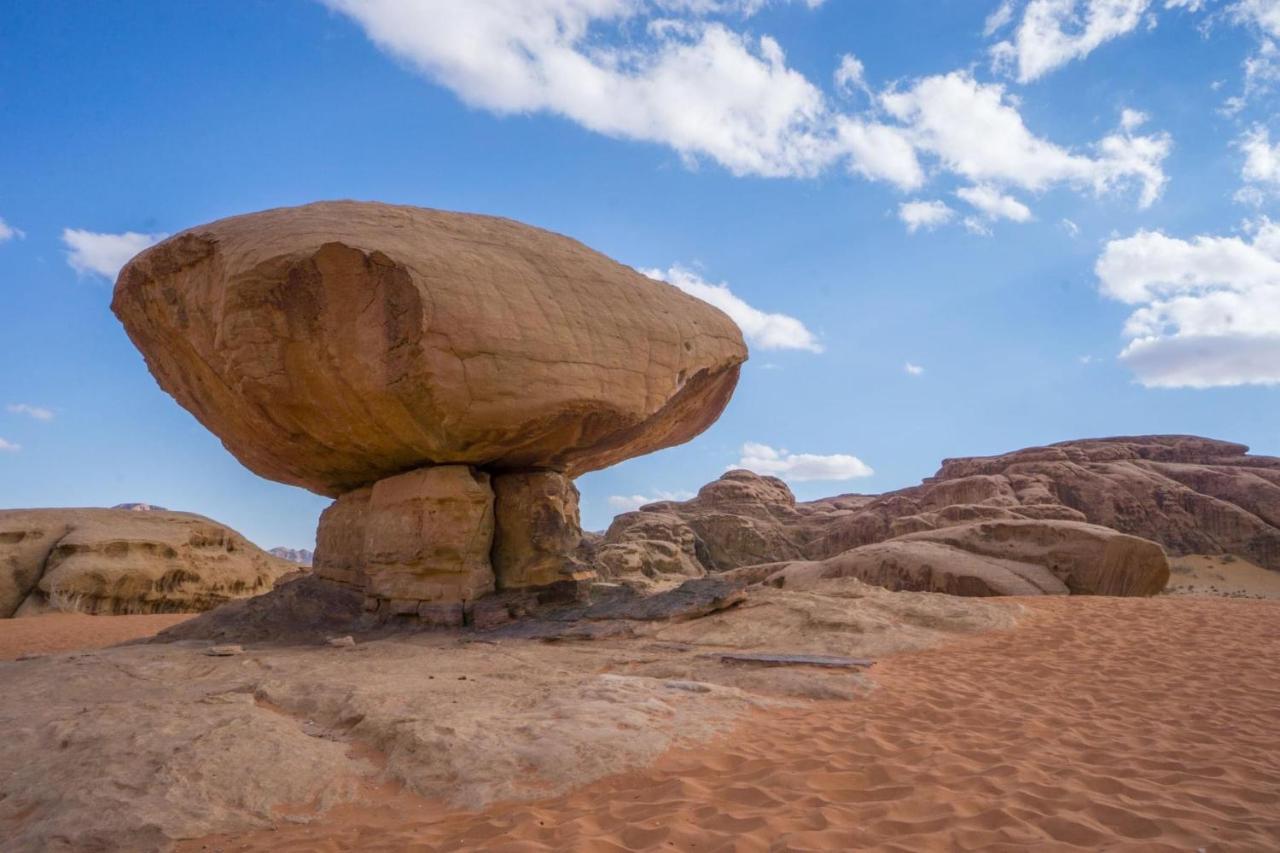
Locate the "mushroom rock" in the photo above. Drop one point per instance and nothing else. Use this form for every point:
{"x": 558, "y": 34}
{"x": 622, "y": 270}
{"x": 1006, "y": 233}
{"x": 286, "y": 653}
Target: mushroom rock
{"x": 415, "y": 363}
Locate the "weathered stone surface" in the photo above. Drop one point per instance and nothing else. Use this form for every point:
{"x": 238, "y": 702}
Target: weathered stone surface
{"x": 537, "y": 529}
{"x": 122, "y": 561}
{"x": 993, "y": 558}
{"x": 336, "y": 344}
{"x": 651, "y": 545}
{"x": 418, "y": 538}
{"x": 1192, "y": 495}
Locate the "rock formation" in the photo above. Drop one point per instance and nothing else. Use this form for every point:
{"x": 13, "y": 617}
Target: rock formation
{"x": 995, "y": 558}
{"x": 124, "y": 561}
{"x": 443, "y": 375}
{"x": 1191, "y": 495}
{"x": 301, "y": 556}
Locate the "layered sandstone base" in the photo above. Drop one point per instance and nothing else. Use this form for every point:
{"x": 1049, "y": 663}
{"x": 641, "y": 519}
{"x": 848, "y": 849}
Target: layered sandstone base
{"x": 430, "y": 542}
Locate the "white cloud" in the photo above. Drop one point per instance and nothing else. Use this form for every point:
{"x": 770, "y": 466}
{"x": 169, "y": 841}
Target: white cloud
{"x": 1209, "y": 307}
{"x": 664, "y": 72}
{"x": 880, "y": 152}
{"x": 1054, "y": 32}
{"x": 9, "y": 446}
{"x": 40, "y": 413}
{"x": 976, "y": 132}
{"x": 767, "y": 331}
{"x": 913, "y": 369}
{"x": 999, "y": 19}
{"x": 1261, "y": 160}
{"x": 1132, "y": 119}
{"x": 628, "y": 503}
{"x": 692, "y": 84}
{"x": 8, "y": 232}
{"x": 800, "y": 467}
{"x": 1263, "y": 14}
{"x": 924, "y": 214}
{"x": 104, "y": 254}
{"x": 1070, "y": 227}
{"x": 850, "y": 75}
{"x": 995, "y": 204}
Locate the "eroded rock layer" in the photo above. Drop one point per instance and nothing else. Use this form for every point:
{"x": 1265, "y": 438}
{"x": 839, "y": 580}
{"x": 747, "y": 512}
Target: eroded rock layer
{"x": 120, "y": 561}
{"x": 1189, "y": 494}
{"x": 997, "y": 558}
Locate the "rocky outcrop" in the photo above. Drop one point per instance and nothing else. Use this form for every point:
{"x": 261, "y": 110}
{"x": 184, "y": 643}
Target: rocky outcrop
{"x": 443, "y": 375}
{"x": 1191, "y": 495}
{"x": 123, "y": 561}
{"x": 994, "y": 558}
{"x": 301, "y": 556}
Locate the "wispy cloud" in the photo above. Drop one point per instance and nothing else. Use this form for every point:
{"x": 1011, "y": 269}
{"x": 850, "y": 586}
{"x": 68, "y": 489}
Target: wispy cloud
{"x": 9, "y": 446}
{"x": 40, "y": 413}
{"x": 924, "y": 214}
{"x": 627, "y": 503}
{"x": 913, "y": 369}
{"x": 800, "y": 467}
{"x": 8, "y": 232}
{"x": 104, "y": 254}
{"x": 761, "y": 328}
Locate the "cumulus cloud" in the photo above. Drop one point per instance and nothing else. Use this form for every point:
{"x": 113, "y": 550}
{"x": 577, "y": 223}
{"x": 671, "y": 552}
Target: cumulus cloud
{"x": 913, "y": 369}
{"x": 976, "y": 132}
{"x": 1054, "y": 32}
{"x": 760, "y": 328}
{"x": 628, "y": 503}
{"x": 9, "y": 446}
{"x": 995, "y": 204}
{"x": 8, "y": 232}
{"x": 924, "y": 214}
{"x": 800, "y": 467}
{"x": 104, "y": 254}
{"x": 40, "y": 413}
{"x": 1208, "y": 308}
{"x": 672, "y": 73}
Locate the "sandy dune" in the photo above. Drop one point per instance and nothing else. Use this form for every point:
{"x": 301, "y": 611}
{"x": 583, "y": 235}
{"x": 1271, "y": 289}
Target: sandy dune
{"x": 1226, "y": 576}
{"x": 1097, "y": 723}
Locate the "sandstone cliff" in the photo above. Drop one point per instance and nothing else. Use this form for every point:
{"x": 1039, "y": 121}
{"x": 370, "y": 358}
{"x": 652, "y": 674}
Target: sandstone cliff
{"x": 124, "y": 561}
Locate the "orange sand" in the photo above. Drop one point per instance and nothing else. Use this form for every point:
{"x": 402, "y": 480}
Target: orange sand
{"x": 64, "y": 632}
{"x": 1097, "y": 723}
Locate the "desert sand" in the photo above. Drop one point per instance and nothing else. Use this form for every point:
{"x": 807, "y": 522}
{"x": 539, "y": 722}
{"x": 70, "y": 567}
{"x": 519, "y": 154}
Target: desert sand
{"x": 1222, "y": 575}
{"x": 66, "y": 632}
{"x": 1097, "y": 723}
{"x": 1057, "y": 722}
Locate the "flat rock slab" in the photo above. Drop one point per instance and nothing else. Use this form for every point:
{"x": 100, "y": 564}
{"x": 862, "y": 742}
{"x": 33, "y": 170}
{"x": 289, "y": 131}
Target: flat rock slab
{"x": 825, "y": 661}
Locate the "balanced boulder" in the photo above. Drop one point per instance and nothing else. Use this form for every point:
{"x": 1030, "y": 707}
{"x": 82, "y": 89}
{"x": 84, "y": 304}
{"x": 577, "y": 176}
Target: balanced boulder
{"x": 338, "y": 345}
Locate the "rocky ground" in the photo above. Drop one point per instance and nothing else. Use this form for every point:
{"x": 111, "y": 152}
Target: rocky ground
{"x": 137, "y": 746}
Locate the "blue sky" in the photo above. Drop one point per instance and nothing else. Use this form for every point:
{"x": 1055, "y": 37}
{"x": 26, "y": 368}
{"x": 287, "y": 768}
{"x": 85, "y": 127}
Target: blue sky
{"x": 1055, "y": 211}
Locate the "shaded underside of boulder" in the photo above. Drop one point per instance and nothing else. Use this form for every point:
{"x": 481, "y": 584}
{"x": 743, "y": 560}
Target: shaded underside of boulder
{"x": 121, "y": 561}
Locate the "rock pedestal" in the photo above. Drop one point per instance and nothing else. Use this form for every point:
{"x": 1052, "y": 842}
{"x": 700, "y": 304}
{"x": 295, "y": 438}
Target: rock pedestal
{"x": 538, "y": 528}
{"x": 430, "y": 542}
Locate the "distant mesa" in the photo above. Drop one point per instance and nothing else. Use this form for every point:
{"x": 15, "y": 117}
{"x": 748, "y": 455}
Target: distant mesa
{"x": 140, "y": 507}
{"x": 301, "y": 556}
{"x": 444, "y": 375}
{"x": 119, "y": 561}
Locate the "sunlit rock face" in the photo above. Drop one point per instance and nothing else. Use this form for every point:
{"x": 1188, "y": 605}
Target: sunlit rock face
{"x": 339, "y": 344}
